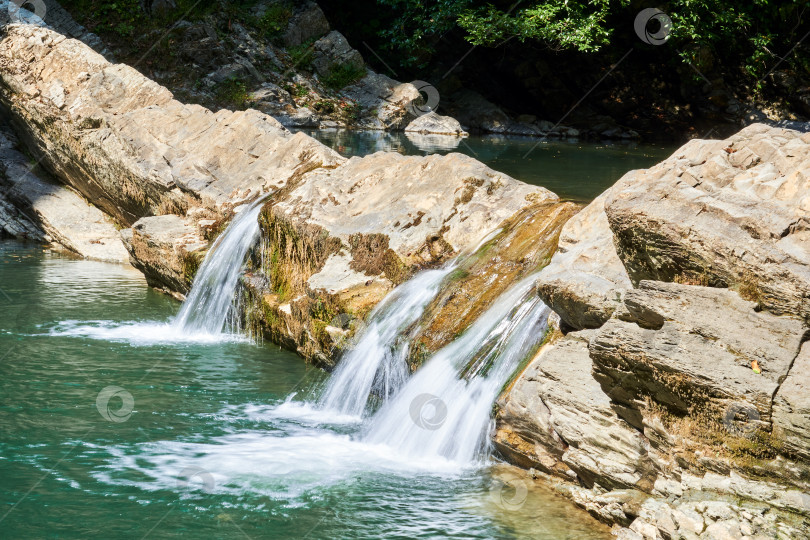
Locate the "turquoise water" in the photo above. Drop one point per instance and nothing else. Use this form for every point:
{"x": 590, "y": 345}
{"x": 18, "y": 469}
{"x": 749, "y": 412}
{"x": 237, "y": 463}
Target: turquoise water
{"x": 197, "y": 439}
{"x": 577, "y": 171}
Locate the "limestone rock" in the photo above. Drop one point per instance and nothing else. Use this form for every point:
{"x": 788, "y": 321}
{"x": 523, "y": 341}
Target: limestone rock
{"x": 689, "y": 349}
{"x": 426, "y": 207}
{"x": 585, "y": 279}
{"x": 167, "y": 249}
{"x": 42, "y": 210}
{"x": 434, "y": 123}
{"x": 124, "y": 143}
{"x": 390, "y": 100}
{"x": 791, "y": 407}
{"x": 731, "y": 213}
{"x": 558, "y": 416}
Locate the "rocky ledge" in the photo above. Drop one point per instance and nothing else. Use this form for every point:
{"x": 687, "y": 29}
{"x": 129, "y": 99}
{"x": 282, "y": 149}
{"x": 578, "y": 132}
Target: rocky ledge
{"x": 672, "y": 402}
{"x": 337, "y": 234}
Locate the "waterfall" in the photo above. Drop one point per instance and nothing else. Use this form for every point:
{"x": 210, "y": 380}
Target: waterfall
{"x": 444, "y": 409}
{"x": 378, "y": 362}
{"x": 207, "y": 305}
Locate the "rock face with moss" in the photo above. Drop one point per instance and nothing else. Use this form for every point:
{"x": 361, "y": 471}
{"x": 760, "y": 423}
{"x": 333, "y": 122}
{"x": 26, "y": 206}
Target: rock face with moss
{"x": 693, "y": 277}
{"x": 342, "y": 238}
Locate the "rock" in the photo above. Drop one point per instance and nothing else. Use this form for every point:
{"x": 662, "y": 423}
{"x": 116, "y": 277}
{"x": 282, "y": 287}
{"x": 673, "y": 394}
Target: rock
{"x": 300, "y": 117}
{"x": 386, "y": 100}
{"x": 585, "y": 279}
{"x": 124, "y": 143}
{"x": 791, "y": 407}
{"x": 434, "y": 123}
{"x": 657, "y": 343}
{"x": 333, "y": 50}
{"x": 730, "y": 213}
{"x": 167, "y": 249}
{"x": 557, "y": 416}
{"x": 41, "y": 210}
{"x": 474, "y": 111}
{"x": 307, "y": 22}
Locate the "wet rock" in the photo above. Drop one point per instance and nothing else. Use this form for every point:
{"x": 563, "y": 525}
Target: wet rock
{"x": 167, "y": 249}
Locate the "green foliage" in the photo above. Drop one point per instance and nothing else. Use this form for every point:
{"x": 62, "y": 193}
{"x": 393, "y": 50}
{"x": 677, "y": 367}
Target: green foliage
{"x": 232, "y": 92}
{"x": 342, "y": 75}
{"x": 274, "y": 21}
{"x": 302, "y": 54}
{"x": 745, "y": 34}
{"x": 324, "y": 107}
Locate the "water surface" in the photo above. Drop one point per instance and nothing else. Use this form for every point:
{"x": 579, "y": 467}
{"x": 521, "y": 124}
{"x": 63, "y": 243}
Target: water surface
{"x": 574, "y": 170}
{"x": 211, "y": 446}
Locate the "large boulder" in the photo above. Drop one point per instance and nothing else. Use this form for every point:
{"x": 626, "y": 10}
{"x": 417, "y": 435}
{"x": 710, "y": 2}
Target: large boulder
{"x": 730, "y": 213}
{"x": 585, "y": 279}
{"x": 691, "y": 350}
{"x": 40, "y": 209}
{"x": 558, "y": 419}
{"x": 123, "y": 142}
{"x": 434, "y": 123}
{"x": 389, "y": 100}
{"x": 307, "y": 22}
{"x": 333, "y": 51}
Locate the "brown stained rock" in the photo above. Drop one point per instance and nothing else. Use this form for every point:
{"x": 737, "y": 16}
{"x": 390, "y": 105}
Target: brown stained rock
{"x": 525, "y": 244}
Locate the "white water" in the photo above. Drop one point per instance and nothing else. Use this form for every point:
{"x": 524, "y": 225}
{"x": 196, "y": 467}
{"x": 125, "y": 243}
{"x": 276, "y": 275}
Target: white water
{"x": 207, "y": 305}
{"x": 203, "y": 316}
{"x": 444, "y": 410}
{"x": 378, "y": 362}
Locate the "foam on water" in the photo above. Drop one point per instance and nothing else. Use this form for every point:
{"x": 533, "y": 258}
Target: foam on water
{"x": 139, "y": 333}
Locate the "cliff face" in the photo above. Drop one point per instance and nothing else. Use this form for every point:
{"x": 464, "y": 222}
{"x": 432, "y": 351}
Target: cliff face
{"x": 684, "y": 291}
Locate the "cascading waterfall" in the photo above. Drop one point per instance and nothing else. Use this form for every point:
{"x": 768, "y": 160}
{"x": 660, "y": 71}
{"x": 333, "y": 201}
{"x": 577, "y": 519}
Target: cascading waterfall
{"x": 207, "y": 305}
{"x": 444, "y": 409}
{"x": 377, "y": 364}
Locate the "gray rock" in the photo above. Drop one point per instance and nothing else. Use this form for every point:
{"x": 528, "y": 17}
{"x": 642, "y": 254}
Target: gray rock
{"x": 434, "y": 123}
{"x": 730, "y": 213}
{"x": 384, "y": 102}
{"x": 334, "y": 50}
{"x": 560, "y": 419}
{"x": 585, "y": 279}
{"x": 307, "y": 22}
{"x": 690, "y": 349}
{"x": 791, "y": 407}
